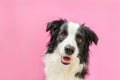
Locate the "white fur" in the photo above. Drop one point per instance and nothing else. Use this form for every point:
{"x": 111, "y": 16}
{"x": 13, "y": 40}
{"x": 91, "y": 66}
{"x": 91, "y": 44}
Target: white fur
{"x": 70, "y": 40}
{"x": 54, "y": 69}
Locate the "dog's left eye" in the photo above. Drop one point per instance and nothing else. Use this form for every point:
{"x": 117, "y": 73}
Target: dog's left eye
{"x": 79, "y": 40}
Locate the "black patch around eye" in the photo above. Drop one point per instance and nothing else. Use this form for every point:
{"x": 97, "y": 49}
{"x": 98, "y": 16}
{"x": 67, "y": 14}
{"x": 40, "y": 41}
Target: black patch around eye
{"x": 79, "y": 38}
{"x": 62, "y": 35}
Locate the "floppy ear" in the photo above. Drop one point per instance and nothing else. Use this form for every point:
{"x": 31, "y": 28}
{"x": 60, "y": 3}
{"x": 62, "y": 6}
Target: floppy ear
{"x": 90, "y": 35}
{"x": 54, "y": 25}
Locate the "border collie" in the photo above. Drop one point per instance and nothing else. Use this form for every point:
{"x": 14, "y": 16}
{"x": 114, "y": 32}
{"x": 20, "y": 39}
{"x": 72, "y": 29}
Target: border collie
{"x": 67, "y": 54}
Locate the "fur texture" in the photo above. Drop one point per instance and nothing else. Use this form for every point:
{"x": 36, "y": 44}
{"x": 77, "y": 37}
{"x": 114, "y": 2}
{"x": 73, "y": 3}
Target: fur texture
{"x": 68, "y": 50}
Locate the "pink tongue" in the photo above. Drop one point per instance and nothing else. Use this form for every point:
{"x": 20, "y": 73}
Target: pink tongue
{"x": 66, "y": 58}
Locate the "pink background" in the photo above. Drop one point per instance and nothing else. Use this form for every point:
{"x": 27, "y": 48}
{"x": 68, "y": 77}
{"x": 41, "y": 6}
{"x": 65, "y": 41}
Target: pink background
{"x": 23, "y": 38}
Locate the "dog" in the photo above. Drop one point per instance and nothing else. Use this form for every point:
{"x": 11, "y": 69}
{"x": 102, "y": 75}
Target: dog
{"x": 67, "y": 52}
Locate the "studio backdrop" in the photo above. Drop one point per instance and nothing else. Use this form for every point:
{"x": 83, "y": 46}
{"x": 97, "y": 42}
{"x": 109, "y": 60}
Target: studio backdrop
{"x": 23, "y": 36}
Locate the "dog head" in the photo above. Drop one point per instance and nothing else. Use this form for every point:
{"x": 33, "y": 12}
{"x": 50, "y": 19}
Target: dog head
{"x": 70, "y": 40}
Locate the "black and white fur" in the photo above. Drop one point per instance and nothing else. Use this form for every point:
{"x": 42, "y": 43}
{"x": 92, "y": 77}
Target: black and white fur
{"x": 76, "y": 36}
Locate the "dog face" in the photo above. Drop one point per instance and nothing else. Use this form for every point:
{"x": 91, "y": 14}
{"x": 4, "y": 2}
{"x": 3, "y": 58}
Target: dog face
{"x": 71, "y": 40}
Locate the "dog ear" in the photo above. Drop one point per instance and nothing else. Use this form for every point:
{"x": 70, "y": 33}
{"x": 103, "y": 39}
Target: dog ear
{"x": 90, "y": 35}
{"x": 54, "y": 25}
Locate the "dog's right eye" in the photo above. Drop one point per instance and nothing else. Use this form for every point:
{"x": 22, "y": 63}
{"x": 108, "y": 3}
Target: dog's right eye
{"x": 62, "y": 36}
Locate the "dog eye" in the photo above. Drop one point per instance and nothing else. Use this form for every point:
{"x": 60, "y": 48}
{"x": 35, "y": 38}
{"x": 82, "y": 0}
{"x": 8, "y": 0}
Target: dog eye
{"x": 79, "y": 40}
{"x": 62, "y": 36}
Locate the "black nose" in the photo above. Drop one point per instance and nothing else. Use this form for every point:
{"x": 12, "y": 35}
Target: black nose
{"x": 69, "y": 49}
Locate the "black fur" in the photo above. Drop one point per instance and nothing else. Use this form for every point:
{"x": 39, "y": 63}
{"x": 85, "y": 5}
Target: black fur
{"x": 82, "y": 74}
{"x": 88, "y": 37}
{"x": 54, "y": 27}
{"x": 84, "y": 33}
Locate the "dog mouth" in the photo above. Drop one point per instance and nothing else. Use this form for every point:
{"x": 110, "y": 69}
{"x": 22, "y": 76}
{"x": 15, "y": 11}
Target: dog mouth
{"x": 65, "y": 60}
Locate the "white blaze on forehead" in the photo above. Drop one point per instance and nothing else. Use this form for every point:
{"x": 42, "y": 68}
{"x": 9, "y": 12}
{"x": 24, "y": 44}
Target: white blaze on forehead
{"x": 72, "y": 28}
